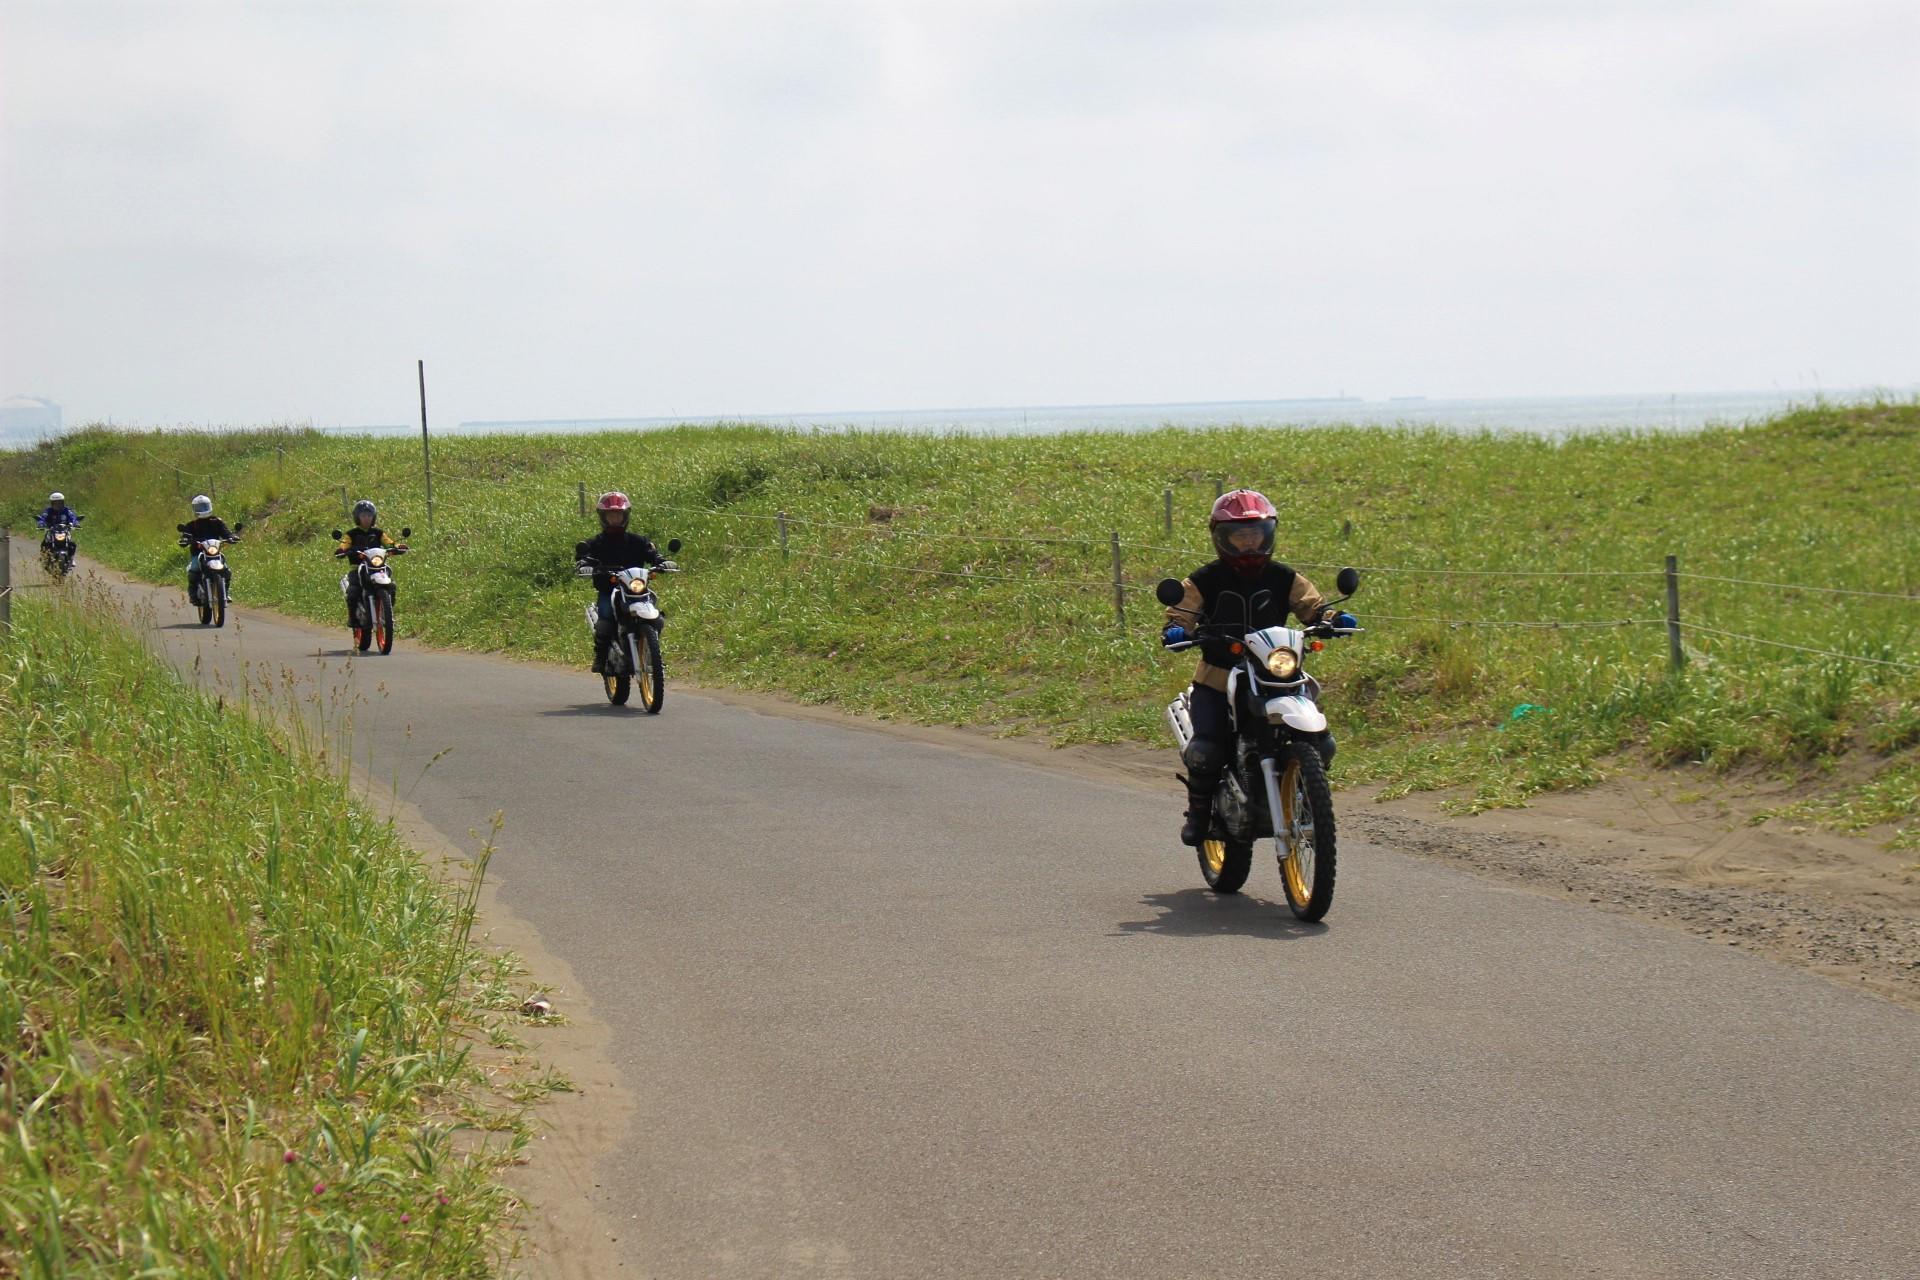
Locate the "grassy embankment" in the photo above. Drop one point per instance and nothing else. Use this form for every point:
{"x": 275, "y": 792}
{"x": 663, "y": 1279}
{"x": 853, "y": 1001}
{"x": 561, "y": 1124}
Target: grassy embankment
{"x": 236, "y": 1015}
{"x": 889, "y": 604}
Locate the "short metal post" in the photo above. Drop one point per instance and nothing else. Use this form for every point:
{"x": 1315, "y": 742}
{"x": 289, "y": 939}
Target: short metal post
{"x": 1119, "y": 584}
{"x": 1219, "y": 488}
{"x": 1346, "y": 530}
{"x": 6, "y": 581}
{"x": 583, "y": 499}
{"x": 346, "y": 508}
{"x": 783, "y": 535}
{"x": 1675, "y": 653}
{"x": 1166, "y": 500}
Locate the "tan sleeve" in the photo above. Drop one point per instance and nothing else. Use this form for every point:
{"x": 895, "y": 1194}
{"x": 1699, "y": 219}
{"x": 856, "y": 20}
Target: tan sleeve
{"x": 1188, "y": 610}
{"x": 1307, "y": 602}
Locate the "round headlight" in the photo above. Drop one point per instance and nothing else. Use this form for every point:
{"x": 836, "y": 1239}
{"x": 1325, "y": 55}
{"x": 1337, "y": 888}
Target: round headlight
{"x": 1283, "y": 664}
{"x": 376, "y": 559}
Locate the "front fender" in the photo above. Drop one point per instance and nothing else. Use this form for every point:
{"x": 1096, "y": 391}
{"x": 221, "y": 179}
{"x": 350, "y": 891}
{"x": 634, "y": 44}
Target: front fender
{"x": 1297, "y": 712}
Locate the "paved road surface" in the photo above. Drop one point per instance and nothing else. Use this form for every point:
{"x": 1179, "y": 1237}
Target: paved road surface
{"x": 895, "y": 1009}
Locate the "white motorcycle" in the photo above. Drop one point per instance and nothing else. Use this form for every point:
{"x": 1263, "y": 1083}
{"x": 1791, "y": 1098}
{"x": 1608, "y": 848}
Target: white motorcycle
{"x": 1276, "y": 783}
{"x": 635, "y": 650}
{"x": 372, "y": 572}
{"x": 209, "y": 564}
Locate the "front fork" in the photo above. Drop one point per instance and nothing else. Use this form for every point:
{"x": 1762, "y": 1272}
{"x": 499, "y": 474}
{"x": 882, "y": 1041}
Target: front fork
{"x": 1270, "y": 772}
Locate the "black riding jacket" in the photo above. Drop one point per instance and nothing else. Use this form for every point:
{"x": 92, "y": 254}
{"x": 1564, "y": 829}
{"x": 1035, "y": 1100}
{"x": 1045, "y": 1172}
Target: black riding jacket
{"x": 619, "y": 548}
{"x": 200, "y": 528}
{"x": 1217, "y": 595}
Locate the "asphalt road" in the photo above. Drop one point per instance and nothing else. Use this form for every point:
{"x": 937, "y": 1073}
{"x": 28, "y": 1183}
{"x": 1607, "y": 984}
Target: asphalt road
{"x": 894, "y": 1009}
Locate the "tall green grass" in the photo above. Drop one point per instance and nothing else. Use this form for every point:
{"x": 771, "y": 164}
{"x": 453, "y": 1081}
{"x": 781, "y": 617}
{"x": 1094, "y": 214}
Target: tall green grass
{"x": 235, "y": 1013}
{"x": 909, "y": 588}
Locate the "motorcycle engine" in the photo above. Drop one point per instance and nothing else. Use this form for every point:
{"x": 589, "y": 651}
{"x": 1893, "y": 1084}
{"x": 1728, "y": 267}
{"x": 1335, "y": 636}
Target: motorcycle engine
{"x": 1230, "y": 807}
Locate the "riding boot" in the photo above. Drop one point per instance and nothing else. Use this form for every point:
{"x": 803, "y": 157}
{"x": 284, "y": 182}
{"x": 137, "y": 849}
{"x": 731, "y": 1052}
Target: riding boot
{"x": 1199, "y": 815}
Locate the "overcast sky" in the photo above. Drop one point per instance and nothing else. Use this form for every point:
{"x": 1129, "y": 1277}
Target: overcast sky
{"x": 266, "y": 211}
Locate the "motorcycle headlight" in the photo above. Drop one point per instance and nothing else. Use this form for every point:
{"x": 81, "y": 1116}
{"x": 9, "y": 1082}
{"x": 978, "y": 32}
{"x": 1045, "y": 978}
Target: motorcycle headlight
{"x": 1283, "y": 664}
{"x": 376, "y": 560}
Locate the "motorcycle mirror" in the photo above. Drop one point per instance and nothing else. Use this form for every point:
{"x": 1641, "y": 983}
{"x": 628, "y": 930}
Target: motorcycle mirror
{"x": 673, "y": 545}
{"x": 182, "y": 528}
{"x": 336, "y": 535}
{"x": 238, "y": 525}
{"x": 1348, "y": 582}
{"x": 1169, "y": 592}
{"x": 579, "y": 551}
{"x": 405, "y": 532}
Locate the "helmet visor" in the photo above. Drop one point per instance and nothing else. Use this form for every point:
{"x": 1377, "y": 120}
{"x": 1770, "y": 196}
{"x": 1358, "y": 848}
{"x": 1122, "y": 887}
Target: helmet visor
{"x": 1241, "y": 538}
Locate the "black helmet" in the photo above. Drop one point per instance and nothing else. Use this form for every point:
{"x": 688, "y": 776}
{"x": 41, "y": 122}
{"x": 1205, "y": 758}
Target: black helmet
{"x": 364, "y": 508}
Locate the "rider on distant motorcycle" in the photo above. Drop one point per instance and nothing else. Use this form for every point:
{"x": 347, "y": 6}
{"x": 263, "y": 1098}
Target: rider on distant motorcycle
{"x": 614, "y": 545}
{"x": 204, "y": 525}
{"x": 1242, "y": 591}
{"x": 365, "y": 534}
{"x": 58, "y": 514}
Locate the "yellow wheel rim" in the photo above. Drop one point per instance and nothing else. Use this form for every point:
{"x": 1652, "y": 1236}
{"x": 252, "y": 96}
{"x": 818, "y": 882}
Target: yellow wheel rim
{"x": 613, "y": 685}
{"x": 1296, "y": 866}
{"x": 1215, "y": 853}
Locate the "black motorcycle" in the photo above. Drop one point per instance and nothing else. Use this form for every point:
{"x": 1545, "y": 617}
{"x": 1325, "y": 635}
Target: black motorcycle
{"x": 1276, "y": 784}
{"x": 57, "y": 550}
{"x": 635, "y": 650}
{"x": 372, "y": 573}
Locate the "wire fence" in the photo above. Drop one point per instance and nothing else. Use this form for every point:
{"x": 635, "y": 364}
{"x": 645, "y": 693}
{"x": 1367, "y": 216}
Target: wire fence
{"x": 886, "y": 526}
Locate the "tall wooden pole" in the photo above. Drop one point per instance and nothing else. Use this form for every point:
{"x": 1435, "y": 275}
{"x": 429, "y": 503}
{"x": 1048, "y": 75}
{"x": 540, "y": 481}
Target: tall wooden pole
{"x": 1676, "y": 652}
{"x": 426, "y": 452}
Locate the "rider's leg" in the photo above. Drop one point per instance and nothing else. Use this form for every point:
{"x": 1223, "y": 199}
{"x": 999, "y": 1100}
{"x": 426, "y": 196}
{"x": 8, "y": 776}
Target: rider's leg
{"x": 193, "y": 579}
{"x": 603, "y": 631}
{"x": 1206, "y": 756}
{"x": 352, "y": 587}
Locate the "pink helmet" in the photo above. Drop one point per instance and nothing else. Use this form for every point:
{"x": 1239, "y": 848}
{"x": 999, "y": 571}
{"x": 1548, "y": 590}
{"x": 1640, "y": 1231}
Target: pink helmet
{"x": 1243, "y": 524}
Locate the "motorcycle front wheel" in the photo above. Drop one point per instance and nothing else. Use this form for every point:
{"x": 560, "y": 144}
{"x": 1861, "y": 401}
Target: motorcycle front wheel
{"x": 653, "y": 676}
{"x": 217, "y": 593}
{"x": 1307, "y": 858}
{"x": 383, "y": 622}
{"x": 1225, "y": 862}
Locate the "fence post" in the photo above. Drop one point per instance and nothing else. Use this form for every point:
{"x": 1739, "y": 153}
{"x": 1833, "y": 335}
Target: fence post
{"x": 346, "y": 508}
{"x": 583, "y": 499}
{"x": 6, "y": 582}
{"x": 1219, "y": 488}
{"x": 1346, "y": 530}
{"x": 1675, "y": 653}
{"x": 1166, "y": 500}
{"x": 426, "y": 454}
{"x": 783, "y": 535}
{"x": 1119, "y": 584}
{"x": 280, "y": 460}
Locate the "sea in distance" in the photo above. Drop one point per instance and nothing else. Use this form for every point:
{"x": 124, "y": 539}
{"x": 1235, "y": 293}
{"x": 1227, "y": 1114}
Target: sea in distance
{"x": 1549, "y": 415}
{"x": 1544, "y": 415}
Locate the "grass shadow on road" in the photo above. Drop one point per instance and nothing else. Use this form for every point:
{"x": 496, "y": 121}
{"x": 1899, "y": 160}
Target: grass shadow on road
{"x": 1201, "y": 913}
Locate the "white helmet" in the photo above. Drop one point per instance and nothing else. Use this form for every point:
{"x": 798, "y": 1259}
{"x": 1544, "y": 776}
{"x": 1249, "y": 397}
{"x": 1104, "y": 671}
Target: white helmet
{"x": 202, "y": 505}
{"x": 56, "y": 496}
